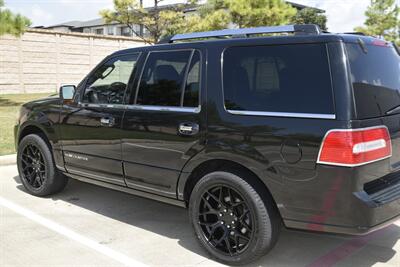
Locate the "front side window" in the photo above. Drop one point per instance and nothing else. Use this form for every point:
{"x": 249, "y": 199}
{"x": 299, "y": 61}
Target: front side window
{"x": 163, "y": 79}
{"x": 108, "y": 83}
{"x": 284, "y": 78}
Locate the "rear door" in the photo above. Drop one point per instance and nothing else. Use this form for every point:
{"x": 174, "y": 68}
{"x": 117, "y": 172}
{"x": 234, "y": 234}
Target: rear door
{"x": 375, "y": 74}
{"x": 91, "y": 129}
{"x": 165, "y": 125}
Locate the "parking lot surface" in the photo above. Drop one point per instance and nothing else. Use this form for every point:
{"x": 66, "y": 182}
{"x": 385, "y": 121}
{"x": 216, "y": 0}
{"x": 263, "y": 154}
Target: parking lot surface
{"x": 87, "y": 225}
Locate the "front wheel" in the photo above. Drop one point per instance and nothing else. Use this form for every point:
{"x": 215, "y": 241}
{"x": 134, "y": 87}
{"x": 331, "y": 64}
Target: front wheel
{"x": 36, "y": 167}
{"x": 231, "y": 220}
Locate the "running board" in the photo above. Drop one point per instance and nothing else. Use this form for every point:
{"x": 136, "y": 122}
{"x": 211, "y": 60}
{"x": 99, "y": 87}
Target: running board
{"x": 128, "y": 190}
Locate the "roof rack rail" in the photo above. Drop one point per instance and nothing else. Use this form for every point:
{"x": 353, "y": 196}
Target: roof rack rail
{"x": 246, "y": 32}
{"x": 355, "y": 33}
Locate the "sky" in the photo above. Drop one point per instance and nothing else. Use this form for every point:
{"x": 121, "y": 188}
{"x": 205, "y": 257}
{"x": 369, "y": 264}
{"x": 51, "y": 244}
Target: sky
{"x": 343, "y": 15}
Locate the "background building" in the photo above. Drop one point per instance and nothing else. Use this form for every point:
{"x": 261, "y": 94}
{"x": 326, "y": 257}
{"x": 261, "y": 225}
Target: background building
{"x": 99, "y": 26}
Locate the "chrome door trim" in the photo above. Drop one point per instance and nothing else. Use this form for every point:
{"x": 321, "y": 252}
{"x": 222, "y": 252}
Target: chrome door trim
{"x": 283, "y": 114}
{"x": 164, "y": 108}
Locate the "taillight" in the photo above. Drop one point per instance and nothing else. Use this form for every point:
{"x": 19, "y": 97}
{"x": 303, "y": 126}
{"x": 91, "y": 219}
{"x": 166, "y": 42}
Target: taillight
{"x": 354, "y": 147}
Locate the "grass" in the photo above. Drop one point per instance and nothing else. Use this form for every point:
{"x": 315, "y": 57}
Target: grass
{"x": 9, "y": 106}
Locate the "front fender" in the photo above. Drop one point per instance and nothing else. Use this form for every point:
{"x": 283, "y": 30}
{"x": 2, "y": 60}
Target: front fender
{"x": 41, "y": 116}
{"x": 27, "y": 126}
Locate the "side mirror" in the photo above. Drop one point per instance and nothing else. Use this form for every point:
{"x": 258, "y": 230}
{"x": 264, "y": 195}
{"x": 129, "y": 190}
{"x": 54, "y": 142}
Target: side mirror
{"x": 67, "y": 93}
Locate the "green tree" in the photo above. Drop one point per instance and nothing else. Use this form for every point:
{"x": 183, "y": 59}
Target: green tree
{"x": 382, "y": 20}
{"x": 10, "y": 23}
{"x": 210, "y": 16}
{"x": 213, "y": 15}
{"x": 157, "y": 21}
{"x": 245, "y": 13}
{"x": 311, "y": 16}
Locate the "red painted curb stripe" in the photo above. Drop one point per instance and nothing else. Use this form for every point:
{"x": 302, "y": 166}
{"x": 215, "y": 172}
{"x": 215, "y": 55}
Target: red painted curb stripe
{"x": 346, "y": 249}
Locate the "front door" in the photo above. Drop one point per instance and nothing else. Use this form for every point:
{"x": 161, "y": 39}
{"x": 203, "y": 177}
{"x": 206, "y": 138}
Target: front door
{"x": 164, "y": 125}
{"x": 91, "y": 128}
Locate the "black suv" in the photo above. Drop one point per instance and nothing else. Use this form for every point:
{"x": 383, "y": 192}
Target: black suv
{"x": 249, "y": 129}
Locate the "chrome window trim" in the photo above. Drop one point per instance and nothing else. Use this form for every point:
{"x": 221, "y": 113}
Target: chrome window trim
{"x": 272, "y": 113}
{"x": 143, "y": 107}
{"x": 164, "y": 108}
{"x": 92, "y": 105}
{"x": 282, "y": 114}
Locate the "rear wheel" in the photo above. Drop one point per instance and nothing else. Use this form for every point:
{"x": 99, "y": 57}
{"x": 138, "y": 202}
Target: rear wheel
{"x": 36, "y": 167}
{"x": 231, "y": 220}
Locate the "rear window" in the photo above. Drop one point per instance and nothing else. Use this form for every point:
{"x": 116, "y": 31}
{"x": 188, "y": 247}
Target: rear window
{"x": 375, "y": 75}
{"x": 284, "y": 78}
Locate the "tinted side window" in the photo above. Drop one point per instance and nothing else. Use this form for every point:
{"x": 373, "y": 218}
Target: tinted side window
{"x": 192, "y": 88}
{"x": 108, "y": 83}
{"x": 162, "y": 82}
{"x": 376, "y": 79}
{"x": 284, "y": 78}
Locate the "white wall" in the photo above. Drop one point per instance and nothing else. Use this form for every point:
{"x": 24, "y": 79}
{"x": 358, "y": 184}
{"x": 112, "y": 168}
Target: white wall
{"x": 42, "y": 60}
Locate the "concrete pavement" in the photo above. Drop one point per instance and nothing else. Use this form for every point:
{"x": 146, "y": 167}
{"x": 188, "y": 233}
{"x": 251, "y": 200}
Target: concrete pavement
{"x": 8, "y": 159}
{"x": 86, "y": 225}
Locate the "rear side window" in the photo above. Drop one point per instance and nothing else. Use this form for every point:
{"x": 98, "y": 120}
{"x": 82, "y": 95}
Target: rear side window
{"x": 192, "y": 87}
{"x": 375, "y": 75}
{"x": 284, "y": 78}
{"x": 163, "y": 79}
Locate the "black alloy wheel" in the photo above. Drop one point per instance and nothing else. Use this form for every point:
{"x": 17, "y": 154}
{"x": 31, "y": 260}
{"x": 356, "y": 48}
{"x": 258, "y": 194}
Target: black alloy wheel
{"x": 235, "y": 223}
{"x": 225, "y": 220}
{"x": 33, "y": 166}
{"x": 36, "y": 166}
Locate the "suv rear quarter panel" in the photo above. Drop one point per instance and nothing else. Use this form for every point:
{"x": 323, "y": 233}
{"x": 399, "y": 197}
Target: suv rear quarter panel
{"x": 283, "y": 151}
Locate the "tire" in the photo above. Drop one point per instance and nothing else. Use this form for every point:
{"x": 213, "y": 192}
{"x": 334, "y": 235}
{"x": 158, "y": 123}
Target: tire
{"x": 213, "y": 222}
{"x": 37, "y": 169}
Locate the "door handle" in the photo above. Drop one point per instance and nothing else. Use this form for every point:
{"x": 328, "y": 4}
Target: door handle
{"x": 107, "y": 121}
{"x": 188, "y": 128}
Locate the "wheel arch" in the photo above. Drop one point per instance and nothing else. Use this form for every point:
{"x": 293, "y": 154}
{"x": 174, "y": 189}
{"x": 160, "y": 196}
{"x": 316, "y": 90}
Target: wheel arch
{"x": 30, "y": 128}
{"x": 222, "y": 164}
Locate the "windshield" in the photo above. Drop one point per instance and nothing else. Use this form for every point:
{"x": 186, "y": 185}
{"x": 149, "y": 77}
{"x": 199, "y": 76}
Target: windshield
{"x": 375, "y": 74}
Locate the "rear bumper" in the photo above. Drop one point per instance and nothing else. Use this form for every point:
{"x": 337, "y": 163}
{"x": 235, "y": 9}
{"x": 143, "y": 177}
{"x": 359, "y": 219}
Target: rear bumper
{"x": 337, "y": 229}
{"x": 353, "y": 201}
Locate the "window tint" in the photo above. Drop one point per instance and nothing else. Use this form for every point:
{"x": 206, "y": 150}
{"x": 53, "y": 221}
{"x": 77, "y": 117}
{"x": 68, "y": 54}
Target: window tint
{"x": 162, "y": 81}
{"x": 191, "y": 96}
{"x": 376, "y": 79}
{"x": 284, "y": 78}
{"x": 108, "y": 83}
